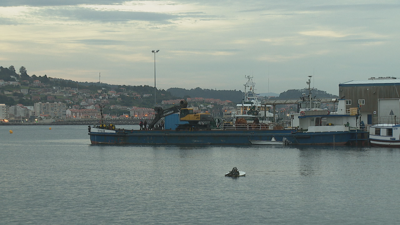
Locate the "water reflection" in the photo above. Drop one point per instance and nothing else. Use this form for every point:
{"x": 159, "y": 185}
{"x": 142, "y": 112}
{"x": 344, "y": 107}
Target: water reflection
{"x": 311, "y": 157}
{"x": 309, "y": 161}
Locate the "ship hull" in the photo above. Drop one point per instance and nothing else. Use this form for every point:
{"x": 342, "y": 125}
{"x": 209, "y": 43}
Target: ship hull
{"x": 331, "y": 138}
{"x": 171, "y": 137}
{"x": 221, "y": 137}
{"x": 381, "y": 143}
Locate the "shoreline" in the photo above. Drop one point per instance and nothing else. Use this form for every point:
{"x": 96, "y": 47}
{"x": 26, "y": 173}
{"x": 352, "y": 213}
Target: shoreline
{"x": 82, "y": 122}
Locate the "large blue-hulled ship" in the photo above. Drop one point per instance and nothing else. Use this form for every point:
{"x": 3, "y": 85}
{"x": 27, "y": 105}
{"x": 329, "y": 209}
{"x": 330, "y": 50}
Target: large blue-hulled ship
{"x": 310, "y": 126}
{"x": 229, "y": 136}
{"x": 202, "y": 137}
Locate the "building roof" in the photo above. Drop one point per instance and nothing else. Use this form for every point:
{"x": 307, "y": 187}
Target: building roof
{"x": 379, "y": 81}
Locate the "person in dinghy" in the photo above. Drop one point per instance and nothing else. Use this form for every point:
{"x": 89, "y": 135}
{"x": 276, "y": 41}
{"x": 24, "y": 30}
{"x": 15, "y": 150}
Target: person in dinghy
{"x": 235, "y": 173}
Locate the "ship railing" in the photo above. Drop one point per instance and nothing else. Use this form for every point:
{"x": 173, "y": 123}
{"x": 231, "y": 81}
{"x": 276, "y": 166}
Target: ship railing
{"x": 250, "y": 127}
{"x": 388, "y": 120}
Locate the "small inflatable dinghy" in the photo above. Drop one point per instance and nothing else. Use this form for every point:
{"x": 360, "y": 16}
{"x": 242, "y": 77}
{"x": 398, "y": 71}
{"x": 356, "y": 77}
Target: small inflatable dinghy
{"x": 235, "y": 173}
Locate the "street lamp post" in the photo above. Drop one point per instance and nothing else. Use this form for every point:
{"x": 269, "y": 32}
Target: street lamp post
{"x": 155, "y": 87}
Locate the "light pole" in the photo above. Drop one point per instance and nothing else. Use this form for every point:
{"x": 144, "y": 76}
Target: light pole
{"x": 155, "y": 87}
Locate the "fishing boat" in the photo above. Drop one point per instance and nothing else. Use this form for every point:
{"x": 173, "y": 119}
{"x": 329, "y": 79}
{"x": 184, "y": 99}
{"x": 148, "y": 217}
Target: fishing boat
{"x": 385, "y": 135}
{"x": 251, "y": 108}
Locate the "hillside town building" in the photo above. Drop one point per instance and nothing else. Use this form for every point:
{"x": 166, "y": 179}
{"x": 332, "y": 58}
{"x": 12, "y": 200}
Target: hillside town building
{"x": 20, "y": 111}
{"x": 54, "y": 110}
{"x": 3, "y": 112}
{"x": 82, "y": 113}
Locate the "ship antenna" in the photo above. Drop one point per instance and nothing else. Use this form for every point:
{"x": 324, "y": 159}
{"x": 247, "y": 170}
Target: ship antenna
{"x": 309, "y": 90}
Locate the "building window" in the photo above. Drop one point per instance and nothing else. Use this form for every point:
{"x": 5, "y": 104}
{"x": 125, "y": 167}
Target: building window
{"x": 348, "y": 102}
{"x": 361, "y": 101}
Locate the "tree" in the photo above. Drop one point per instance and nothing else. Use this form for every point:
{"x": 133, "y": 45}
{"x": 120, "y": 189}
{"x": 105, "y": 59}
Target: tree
{"x": 7, "y": 100}
{"x": 20, "y": 95}
{"x": 12, "y": 69}
{"x": 24, "y": 73}
{"x": 22, "y": 70}
{"x": 45, "y": 79}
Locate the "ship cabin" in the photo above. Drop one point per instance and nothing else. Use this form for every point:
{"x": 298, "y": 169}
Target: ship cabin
{"x": 250, "y": 111}
{"x": 321, "y": 120}
{"x": 389, "y": 131}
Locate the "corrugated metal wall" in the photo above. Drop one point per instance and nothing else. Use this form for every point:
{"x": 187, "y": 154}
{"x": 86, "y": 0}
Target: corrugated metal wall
{"x": 371, "y": 95}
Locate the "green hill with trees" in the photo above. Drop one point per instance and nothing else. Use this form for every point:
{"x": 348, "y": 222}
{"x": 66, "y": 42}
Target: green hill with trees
{"x": 141, "y": 96}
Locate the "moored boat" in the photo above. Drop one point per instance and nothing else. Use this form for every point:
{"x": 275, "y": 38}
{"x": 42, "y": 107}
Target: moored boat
{"x": 174, "y": 137}
{"x": 385, "y": 135}
{"x": 251, "y": 108}
{"x": 317, "y": 126}
{"x": 310, "y": 126}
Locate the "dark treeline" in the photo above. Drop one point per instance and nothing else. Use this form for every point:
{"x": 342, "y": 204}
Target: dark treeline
{"x": 8, "y": 74}
{"x": 297, "y": 93}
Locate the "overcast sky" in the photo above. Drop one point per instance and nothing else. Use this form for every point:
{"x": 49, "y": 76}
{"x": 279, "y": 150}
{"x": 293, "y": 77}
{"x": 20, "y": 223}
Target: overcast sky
{"x": 206, "y": 44}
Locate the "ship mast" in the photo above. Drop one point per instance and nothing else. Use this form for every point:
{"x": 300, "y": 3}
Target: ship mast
{"x": 309, "y": 90}
{"x": 101, "y": 113}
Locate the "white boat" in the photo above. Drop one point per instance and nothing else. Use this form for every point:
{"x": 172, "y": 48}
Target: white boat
{"x": 318, "y": 126}
{"x": 385, "y": 135}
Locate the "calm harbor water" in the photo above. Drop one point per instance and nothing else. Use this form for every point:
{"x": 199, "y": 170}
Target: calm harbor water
{"x": 56, "y": 177}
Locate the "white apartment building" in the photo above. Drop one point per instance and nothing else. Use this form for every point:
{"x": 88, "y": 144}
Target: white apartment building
{"x": 3, "y": 112}
{"x": 20, "y": 111}
{"x": 55, "y": 110}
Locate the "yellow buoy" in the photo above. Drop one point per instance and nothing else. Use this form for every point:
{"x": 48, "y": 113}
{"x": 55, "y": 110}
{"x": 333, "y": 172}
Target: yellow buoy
{"x": 49, "y": 128}
{"x": 11, "y": 131}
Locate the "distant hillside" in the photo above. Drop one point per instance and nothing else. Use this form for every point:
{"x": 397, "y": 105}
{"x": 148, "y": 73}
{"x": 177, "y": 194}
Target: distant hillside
{"x": 10, "y": 74}
{"x": 237, "y": 96}
{"x": 234, "y": 96}
{"x": 297, "y": 93}
{"x": 269, "y": 94}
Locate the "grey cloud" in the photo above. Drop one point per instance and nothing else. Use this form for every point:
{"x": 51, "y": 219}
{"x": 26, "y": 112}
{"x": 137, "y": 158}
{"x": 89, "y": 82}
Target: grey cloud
{"x": 98, "y": 2}
{"x": 323, "y": 7}
{"x": 367, "y": 7}
{"x": 106, "y": 16}
{"x": 100, "y": 42}
{"x": 210, "y": 50}
{"x": 362, "y": 40}
{"x": 57, "y": 2}
{"x": 5, "y": 21}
